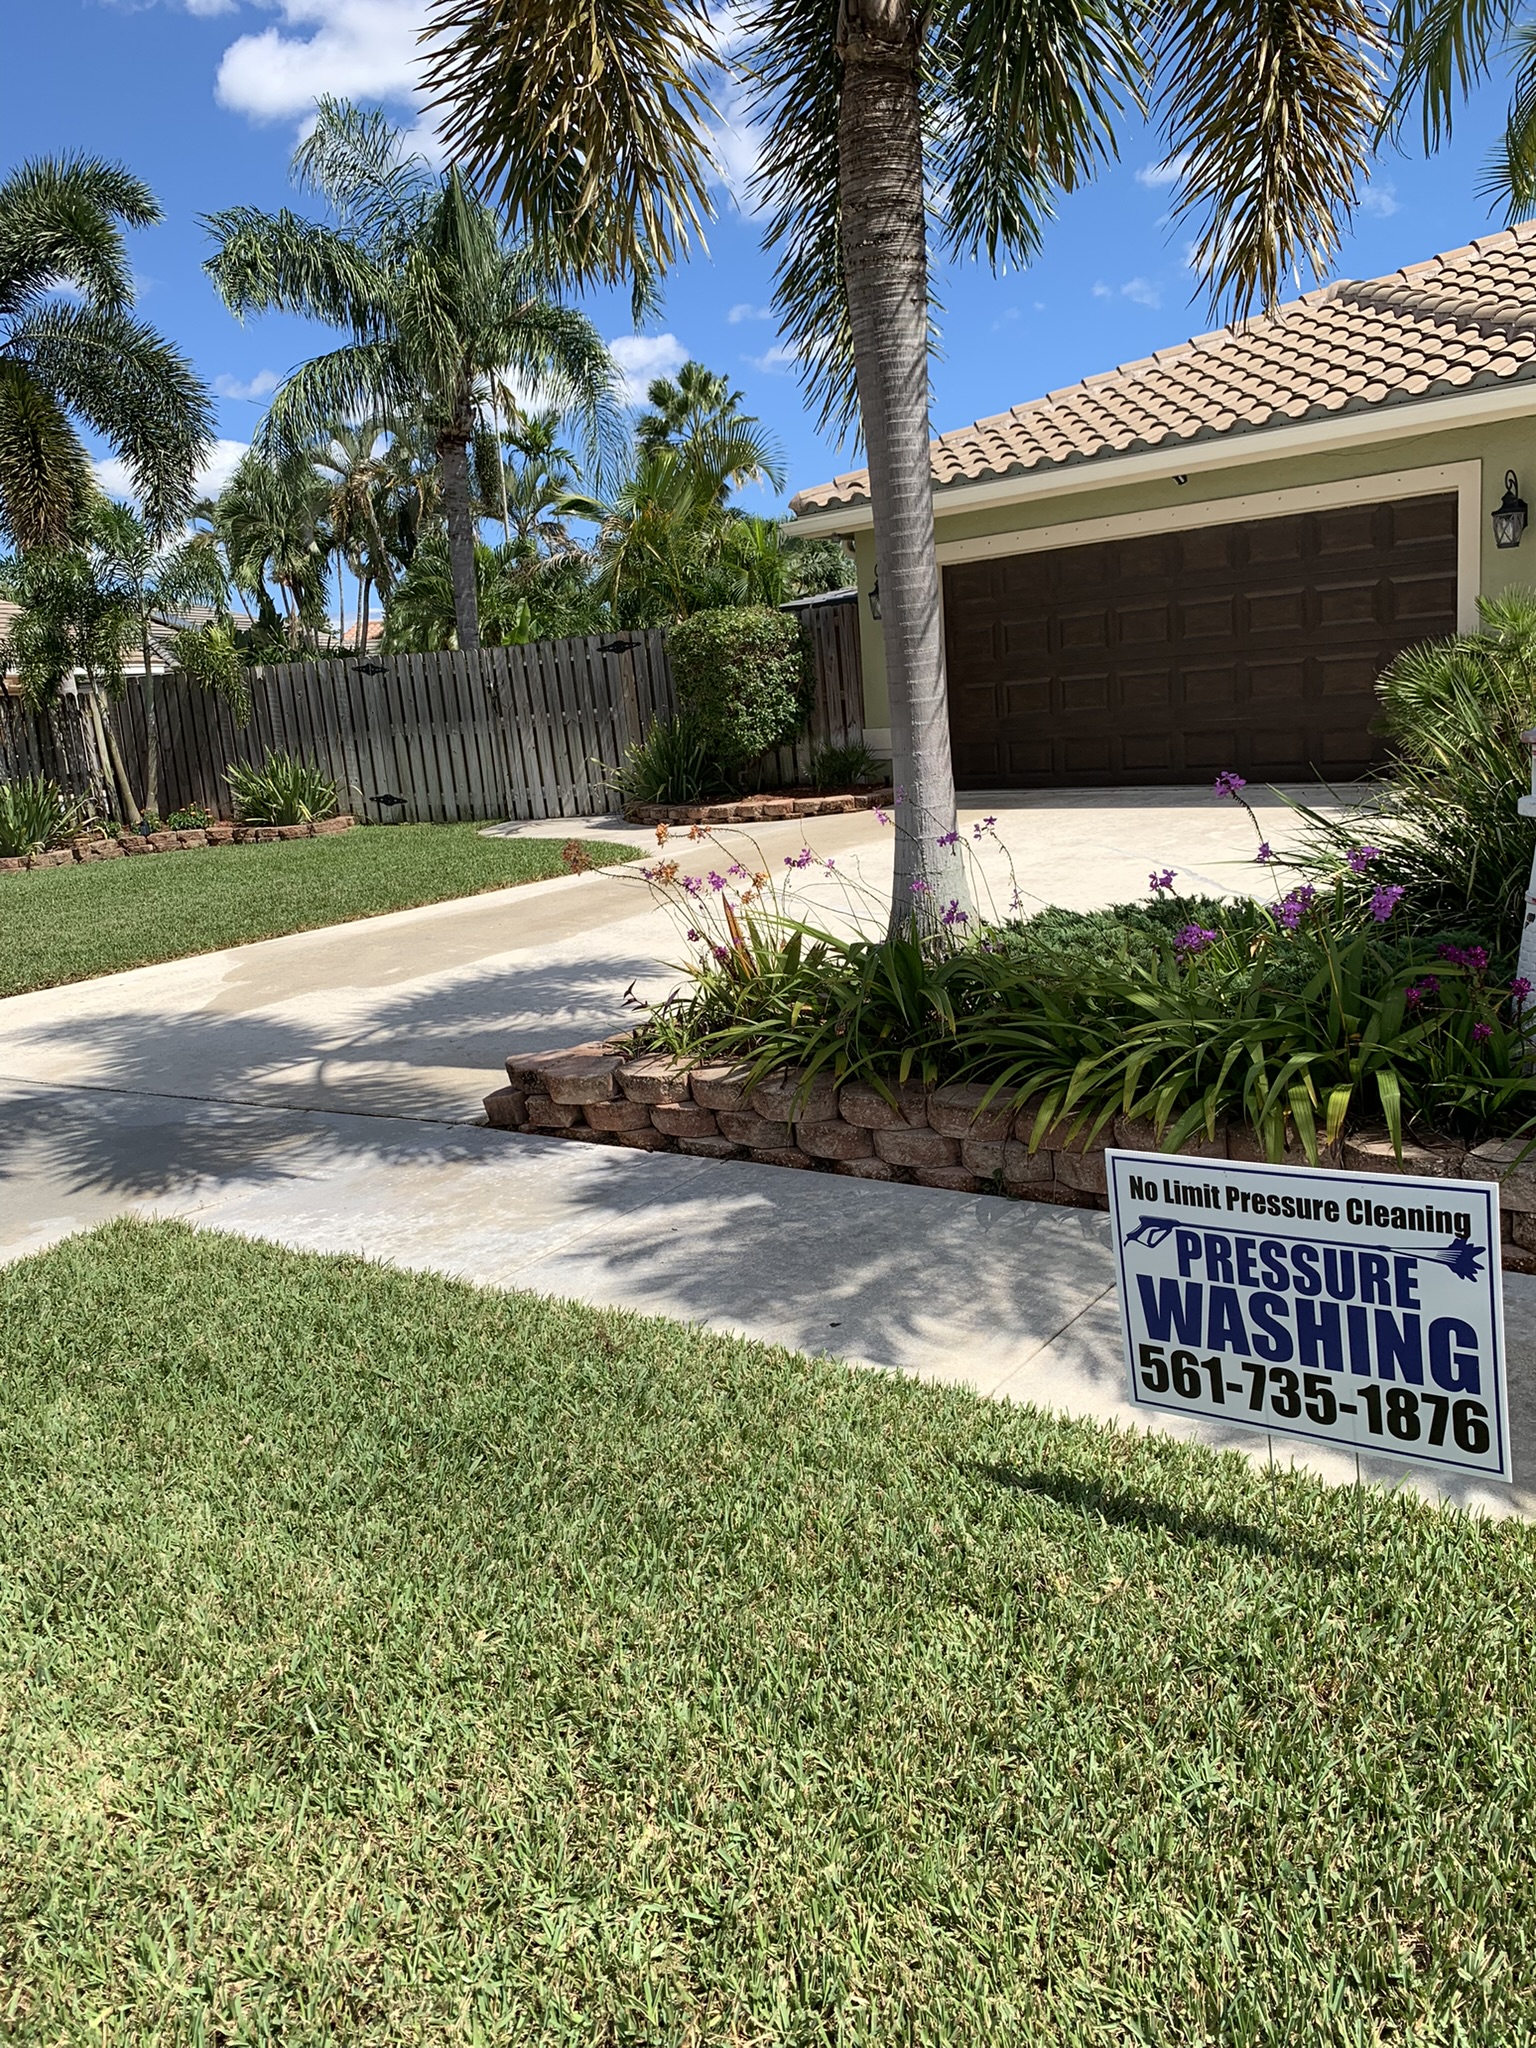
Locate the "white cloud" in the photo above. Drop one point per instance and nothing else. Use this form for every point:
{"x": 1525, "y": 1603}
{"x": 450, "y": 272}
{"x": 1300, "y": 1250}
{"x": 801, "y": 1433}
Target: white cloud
{"x": 737, "y": 145}
{"x": 1168, "y": 172}
{"x": 747, "y": 311}
{"x": 360, "y": 49}
{"x": 210, "y": 7}
{"x": 1380, "y": 201}
{"x": 782, "y": 357}
{"x": 1141, "y": 291}
{"x": 262, "y": 385}
{"x": 112, "y": 473}
{"x": 641, "y": 357}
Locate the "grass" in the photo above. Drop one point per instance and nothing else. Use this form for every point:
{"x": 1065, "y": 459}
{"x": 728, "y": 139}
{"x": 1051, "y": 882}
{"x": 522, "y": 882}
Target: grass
{"x": 65, "y": 924}
{"x": 386, "y": 1662}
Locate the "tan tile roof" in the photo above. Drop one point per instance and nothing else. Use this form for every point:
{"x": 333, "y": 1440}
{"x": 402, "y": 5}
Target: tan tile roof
{"x": 1458, "y": 323}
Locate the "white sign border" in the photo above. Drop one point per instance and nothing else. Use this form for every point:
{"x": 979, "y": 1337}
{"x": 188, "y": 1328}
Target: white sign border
{"x": 1487, "y": 1191}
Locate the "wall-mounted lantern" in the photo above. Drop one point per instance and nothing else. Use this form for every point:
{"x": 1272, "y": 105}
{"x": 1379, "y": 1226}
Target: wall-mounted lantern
{"x": 874, "y": 597}
{"x": 1509, "y": 518}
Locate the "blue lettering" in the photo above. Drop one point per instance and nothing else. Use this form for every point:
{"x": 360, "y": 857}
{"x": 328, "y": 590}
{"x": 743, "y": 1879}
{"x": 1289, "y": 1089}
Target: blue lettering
{"x": 1218, "y": 1256}
{"x": 1304, "y": 1263}
{"x": 1225, "y": 1330}
{"x": 1456, "y": 1371}
{"x": 1398, "y": 1347}
{"x": 1374, "y": 1268}
{"x": 1271, "y": 1339}
{"x": 1339, "y": 1273}
{"x": 1187, "y": 1244}
{"x": 1319, "y": 1326}
{"x": 1405, "y": 1275}
{"x": 1176, "y": 1310}
{"x": 1272, "y": 1259}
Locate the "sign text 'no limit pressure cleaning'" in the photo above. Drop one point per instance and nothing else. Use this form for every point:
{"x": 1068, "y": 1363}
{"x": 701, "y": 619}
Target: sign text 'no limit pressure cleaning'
{"x": 1360, "y": 1310}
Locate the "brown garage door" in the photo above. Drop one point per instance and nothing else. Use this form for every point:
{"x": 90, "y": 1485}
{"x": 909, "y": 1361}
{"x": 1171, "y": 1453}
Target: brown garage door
{"x": 1170, "y": 656}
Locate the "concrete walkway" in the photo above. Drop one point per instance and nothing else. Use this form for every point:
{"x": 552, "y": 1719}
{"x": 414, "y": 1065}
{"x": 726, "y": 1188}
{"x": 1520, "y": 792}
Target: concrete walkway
{"x": 321, "y": 1091}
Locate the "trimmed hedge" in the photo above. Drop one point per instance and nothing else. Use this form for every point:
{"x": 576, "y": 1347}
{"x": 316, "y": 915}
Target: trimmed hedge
{"x": 744, "y": 680}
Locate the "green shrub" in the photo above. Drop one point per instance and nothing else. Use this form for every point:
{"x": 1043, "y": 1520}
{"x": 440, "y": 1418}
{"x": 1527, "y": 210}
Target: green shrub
{"x": 1189, "y": 1013}
{"x": 744, "y": 677}
{"x": 670, "y": 765}
{"x": 282, "y": 791}
{"x": 1443, "y": 822}
{"x": 34, "y": 814}
{"x": 845, "y": 766}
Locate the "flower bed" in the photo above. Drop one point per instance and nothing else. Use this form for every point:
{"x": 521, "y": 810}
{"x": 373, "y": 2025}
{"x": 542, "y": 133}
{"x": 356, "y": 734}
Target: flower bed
{"x": 960, "y": 1136}
{"x": 757, "y": 810}
{"x": 129, "y": 844}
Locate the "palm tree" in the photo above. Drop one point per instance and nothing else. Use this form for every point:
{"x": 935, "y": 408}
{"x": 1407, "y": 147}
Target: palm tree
{"x": 158, "y": 586}
{"x": 434, "y": 299}
{"x": 83, "y": 361}
{"x": 875, "y": 112}
{"x": 269, "y": 524}
{"x": 1448, "y": 47}
{"x": 701, "y": 415}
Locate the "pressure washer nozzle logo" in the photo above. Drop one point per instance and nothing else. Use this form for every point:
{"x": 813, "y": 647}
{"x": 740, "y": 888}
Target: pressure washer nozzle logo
{"x": 1463, "y": 1258}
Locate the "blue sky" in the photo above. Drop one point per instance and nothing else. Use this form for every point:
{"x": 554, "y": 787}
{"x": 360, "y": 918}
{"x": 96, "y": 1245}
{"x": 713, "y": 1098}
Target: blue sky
{"x": 203, "y": 98}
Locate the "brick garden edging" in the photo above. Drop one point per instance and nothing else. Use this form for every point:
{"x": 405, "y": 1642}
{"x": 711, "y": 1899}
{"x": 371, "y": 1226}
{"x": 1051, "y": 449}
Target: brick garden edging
{"x": 757, "y": 810}
{"x": 935, "y": 1137}
{"x": 125, "y": 844}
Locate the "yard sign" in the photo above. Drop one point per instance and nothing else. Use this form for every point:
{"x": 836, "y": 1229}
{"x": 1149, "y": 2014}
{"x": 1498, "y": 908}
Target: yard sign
{"x": 1359, "y": 1310}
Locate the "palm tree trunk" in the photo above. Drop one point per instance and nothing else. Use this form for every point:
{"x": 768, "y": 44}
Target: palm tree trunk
{"x": 885, "y": 267}
{"x": 151, "y": 726}
{"x": 108, "y": 754}
{"x": 453, "y": 459}
{"x": 365, "y": 607}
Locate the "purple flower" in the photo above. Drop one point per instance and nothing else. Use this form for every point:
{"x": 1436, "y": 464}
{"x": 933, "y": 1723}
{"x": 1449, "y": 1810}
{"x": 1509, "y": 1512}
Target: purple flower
{"x": 722, "y": 953}
{"x": 1385, "y": 900}
{"x": 1473, "y": 958}
{"x": 1158, "y": 882}
{"x": 1265, "y": 854}
{"x": 989, "y": 823}
{"x": 1194, "y": 938}
{"x": 899, "y": 796}
{"x": 802, "y": 859}
{"x": 1519, "y": 989}
{"x": 716, "y": 881}
{"x": 737, "y": 870}
{"x": 949, "y": 838}
{"x": 954, "y": 914}
{"x": 1481, "y": 1033}
{"x": 693, "y": 934}
{"x": 882, "y": 817}
{"x": 919, "y": 886}
{"x": 1420, "y": 991}
{"x": 1228, "y": 784}
{"x": 1360, "y": 857}
{"x": 1295, "y": 906}
{"x": 693, "y": 885}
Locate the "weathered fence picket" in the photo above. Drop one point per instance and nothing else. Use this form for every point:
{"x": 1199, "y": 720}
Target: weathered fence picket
{"x": 510, "y": 732}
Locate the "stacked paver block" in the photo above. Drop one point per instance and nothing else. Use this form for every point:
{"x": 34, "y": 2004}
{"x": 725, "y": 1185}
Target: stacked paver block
{"x": 133, "y": 843}
{"x": 757, "y": 810}
{"x": 958, "y": 1136}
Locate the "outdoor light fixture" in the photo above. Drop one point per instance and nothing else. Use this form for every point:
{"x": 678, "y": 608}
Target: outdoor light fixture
{"x": 1509, "y": 518}
{"x": 370, "y": 668}
{"x": 874, "y": 599}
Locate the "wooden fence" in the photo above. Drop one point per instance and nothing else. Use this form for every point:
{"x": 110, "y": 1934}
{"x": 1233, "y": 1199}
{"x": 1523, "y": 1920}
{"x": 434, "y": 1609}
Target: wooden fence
{"x": 510, "y": 732}
{"x": 57, "y": 743}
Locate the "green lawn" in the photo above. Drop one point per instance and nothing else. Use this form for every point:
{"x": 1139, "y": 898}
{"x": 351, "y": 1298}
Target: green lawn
{"x": 64, "y": 924}
{"x": 386, "y": 1662}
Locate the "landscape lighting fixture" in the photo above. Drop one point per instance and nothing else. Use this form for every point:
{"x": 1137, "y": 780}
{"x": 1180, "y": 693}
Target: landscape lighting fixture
{"x": 1509, "y": 518}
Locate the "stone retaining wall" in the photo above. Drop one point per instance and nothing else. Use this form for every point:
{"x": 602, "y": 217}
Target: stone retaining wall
{"x": 757, "y": 810}
{"x": 132, "y": 843}
{"x": 935, "y": 1137}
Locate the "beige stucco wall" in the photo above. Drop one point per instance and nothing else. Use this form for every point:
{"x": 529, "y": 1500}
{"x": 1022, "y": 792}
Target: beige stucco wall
{"x": 1496, "y": 445}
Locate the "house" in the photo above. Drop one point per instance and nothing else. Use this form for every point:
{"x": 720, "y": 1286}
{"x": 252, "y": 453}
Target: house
{"x": 1204, "y": 560}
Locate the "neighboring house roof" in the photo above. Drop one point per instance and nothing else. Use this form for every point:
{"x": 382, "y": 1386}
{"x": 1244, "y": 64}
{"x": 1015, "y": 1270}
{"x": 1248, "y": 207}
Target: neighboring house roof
{"x": 1458, "y": 323}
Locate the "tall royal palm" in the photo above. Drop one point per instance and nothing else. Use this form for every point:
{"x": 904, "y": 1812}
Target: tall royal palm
{"x": 878, "y": 112}
{"x": 432, "y": 296}
{"x": 72, "y": 355}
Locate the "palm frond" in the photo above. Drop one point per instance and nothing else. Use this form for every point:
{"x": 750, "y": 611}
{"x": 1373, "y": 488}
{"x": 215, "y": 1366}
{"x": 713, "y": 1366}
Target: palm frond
{"x": 140, "y": 394}
{"x": 796, "y": 89}
{"x": 360, "y": 378}
{"x": 585, "y": 120}
{"x": 60, "y": 224}
{"x": 279, "y": 262}
{"x": 355, "y": 159}
{"x": 45, "y": 475}
{"x": 1444, "y": 48}
{"x": 1270, "y": 107}
{"x": 1509, "y": 174}
{"x": 1029, "y": 92}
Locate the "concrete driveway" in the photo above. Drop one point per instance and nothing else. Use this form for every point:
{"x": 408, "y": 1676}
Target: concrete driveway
{"x": 323, "y": 1091}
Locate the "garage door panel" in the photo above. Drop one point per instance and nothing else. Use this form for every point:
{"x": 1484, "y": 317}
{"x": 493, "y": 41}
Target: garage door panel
{"x": 1167, "y": 658}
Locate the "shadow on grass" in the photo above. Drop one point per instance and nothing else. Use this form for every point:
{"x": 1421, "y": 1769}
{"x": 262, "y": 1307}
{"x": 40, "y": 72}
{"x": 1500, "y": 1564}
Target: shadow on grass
{"x": 1123, "y": 1510}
